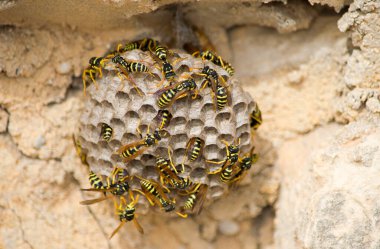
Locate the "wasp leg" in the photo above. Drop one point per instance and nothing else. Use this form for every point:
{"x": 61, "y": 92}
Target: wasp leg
{"x": 99, "y": 69}
{"x": 84, "y": 82}
{"x": 215, "y": 162}
{"x": 195, "y": 95}
{"x": 195, "y": 54}
{"x": 221, "y": 61}
{"x": 119, "y": 74}
{"x": 181, "y": 215}
{"x": 138, "y": 129}
{"x": 171, "y": 160}
{"x": 119, "y": 46}
{"x": 145, "y": 195}
{"x": 215, "y": 171}
{"x": 93, "y": 79}
{"x": 178, "y": 60}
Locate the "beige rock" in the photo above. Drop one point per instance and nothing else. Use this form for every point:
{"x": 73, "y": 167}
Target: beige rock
{"x": 336, "y": 4}
{"x": 4, "y": 117}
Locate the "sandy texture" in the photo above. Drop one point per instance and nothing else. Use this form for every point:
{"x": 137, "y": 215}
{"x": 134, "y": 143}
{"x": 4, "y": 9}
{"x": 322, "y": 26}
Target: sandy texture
{"x": 314, "y": 74}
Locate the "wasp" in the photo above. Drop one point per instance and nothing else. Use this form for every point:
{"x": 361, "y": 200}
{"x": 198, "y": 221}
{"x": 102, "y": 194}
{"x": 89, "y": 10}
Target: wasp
{"x": 167, "y": 69}
{"x": 164, "y": 117}
{"x": 129, "y": 67}
{"x": 219, "y": 89}
{"x": 209, "y": 74}
{"x": 95, "y": 67}
{"x": 177, "y": 91}
{"x": 106, "y": 132}
{"x": 132, "y": 150}
{"x": 243, "y": 166}
{"x": 195, "y": 200}
{"x": 126, "y": 212}
{"x": 217, "y": 60}
{"x": 154, "y": 193}
{"x": 256, "y": 118}
{"x": 117, "y": 185}
{"x": 169, "y": 173}
{"x": 232, "y": 156}
{"x": 168, "y": 73}
{"x": 143, "y": 44}
{"x": 148, "y": 44}
{"x": 79, "y": 151}
{"x": 197, "y": 145}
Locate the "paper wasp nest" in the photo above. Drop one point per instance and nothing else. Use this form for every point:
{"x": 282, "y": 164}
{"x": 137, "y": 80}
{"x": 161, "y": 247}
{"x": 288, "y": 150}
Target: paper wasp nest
{"x": 117, "y": 103}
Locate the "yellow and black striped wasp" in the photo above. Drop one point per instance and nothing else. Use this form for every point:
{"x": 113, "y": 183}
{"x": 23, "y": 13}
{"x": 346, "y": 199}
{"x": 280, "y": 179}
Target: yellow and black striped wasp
{"x": 167, "y": 69}
{"x": 195, "y": 146}
{"x": 117, "y": 185}
{"x": 143, "y": 44}
{"x": 195, "y": 200}
{"x": 95, "y": 68}
{"x": 219, "y": 88}
{"x": 155, "y": 194}
{"x": 171, "y": 93}
{"x": 255, "y": 118}
{"x": 206, "y": 45}
{"x": 126, "y": 212}
{"x": 129, "y": 67}
{"x": 168, "y": 72}
{"x": 130, "y": 151}
{"x": 169, "y": 173}
{"x": 106, "y": 132}
{"x": 232, "y": 156}
{"x": 217, "y": 60}
{"x": 242, "y": 167}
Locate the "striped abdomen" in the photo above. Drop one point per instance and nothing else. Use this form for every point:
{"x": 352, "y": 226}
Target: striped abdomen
{"x": 137, "y": 67}
{"x": 185, "y": 182}
{"x": 130, "y": 46}
{"x": 148, "y": 44}
{"x": 106, "y": 132}
{"x": 166, "y": 98}
{"x": 221, "y": 97}
{"x": 127, "y": 214}
{"x": 163, "y": 166}
{"x": 150, "y": 188}
{"x": 226, "y": 174}
{"x": 161, "y": 52}
{"x": 189, "y": 204}
{"x": 229, "y": 69}
{"x": 95, "y": 181}
{"x": 196, "y": 149}
{"x": 130, "y": 151}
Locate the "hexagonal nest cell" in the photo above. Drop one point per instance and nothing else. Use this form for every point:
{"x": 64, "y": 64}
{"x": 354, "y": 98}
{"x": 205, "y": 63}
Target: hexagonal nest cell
{"x": 125, "y": 106}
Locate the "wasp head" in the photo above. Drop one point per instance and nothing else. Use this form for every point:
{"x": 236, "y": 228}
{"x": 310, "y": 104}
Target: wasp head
{"x": 169, "y": 207}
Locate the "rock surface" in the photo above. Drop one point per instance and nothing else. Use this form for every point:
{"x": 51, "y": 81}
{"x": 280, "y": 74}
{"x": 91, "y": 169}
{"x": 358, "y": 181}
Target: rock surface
{"x": 315, "y": 74}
